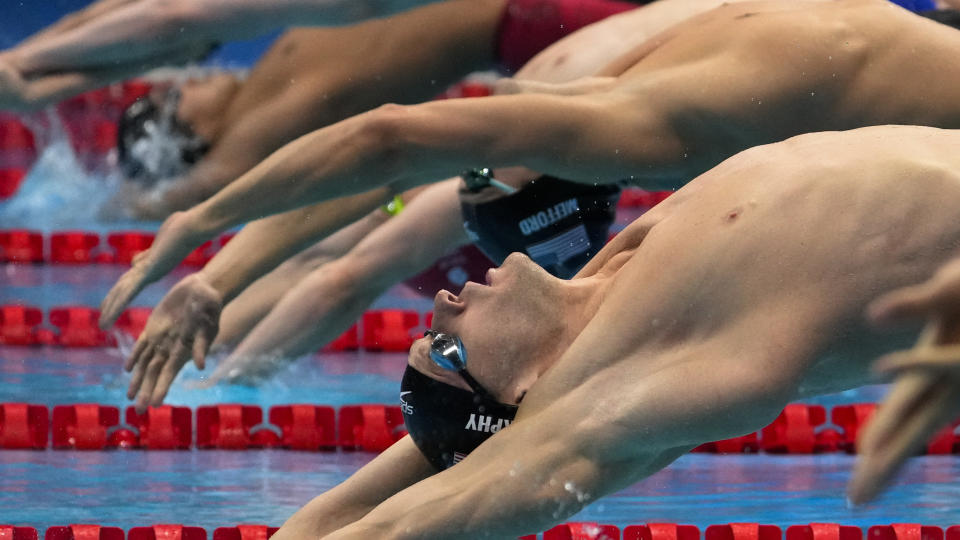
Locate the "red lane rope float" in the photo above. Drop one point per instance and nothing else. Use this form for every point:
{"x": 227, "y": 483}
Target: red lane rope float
{"x": 385, "y": 330}
{"x": 227, "y": 427}
{"x": 83, "y": 427}
{"x": 661, "y": 531}
{"x": 21, "y": 246}
{"x": 823, "y": 531}
{"x": 742, "y": 531}
{"x": 162, "y": 428}
{"x": 18, "y": 152}
{"x": 167, "y": 532}
{"x": 580, "y": 531}
{"x": 19, "y": 324}
{"x": 565, "y": 531}
{"x": 244, "y": 532}
{"x": 23, "y": 426}
{"x": 389, "y": 330}
{"x": 305, "y": 427}
{"x": 904, "y": 531}
{"x": 9, "y": 532}
{"x": 84, "y": 532}
{"x": 370, "y": 428}
{"x": 85, "y": 247}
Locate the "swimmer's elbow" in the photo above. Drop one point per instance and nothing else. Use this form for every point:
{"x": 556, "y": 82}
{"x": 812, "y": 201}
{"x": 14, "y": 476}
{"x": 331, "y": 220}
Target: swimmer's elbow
{"x": 383, "y": 134}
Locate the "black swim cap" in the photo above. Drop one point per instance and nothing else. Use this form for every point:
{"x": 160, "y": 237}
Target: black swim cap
{"x": 445, "y": 422}
{"x": 559, "y": 224}
{"x": 153, "y": 144}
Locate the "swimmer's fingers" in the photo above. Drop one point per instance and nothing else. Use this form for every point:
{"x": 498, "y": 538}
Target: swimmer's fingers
{"x": 171, "y": 367}
{"x": 201, "y": 345}
{"x": 138, "y": 349}
{"x": 914, "y": 302}
{"x": 126, "y": 289}
{"x": 905, "y": 397}
{"x": 138, "y": 367}
{"x": 152, "y": 372}
{"x": 879, "y": 463}
{"x": 944, "y": 360}
{"x": 939, "y": 295}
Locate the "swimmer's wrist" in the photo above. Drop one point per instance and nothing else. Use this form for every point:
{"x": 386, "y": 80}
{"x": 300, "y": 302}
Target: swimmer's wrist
{"x": 206, "y": 220}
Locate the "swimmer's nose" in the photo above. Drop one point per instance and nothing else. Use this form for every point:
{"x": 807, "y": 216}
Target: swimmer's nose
{"x": 445, "y": 304}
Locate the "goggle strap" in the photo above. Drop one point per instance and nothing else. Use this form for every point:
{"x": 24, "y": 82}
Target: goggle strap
{"x": 474, "y": 385}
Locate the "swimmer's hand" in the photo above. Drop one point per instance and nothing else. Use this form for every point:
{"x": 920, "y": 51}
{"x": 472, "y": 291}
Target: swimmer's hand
{"x": 926, "y": 393}
{"x": 182, "y": 326}
{"x": 174, "y": 241}
{"x": 12, "y": 86}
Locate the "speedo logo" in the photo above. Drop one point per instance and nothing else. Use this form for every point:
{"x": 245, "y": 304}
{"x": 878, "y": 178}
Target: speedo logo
{"x": 484, "y": 423}
{"x": 405, "y": 407}
{"x": 543, "y": 218}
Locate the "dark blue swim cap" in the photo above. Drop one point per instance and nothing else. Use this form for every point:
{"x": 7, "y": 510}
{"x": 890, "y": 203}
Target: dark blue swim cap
{"x": 559, "y": 224}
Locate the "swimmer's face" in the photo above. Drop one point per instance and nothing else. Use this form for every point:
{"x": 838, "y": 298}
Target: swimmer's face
{"x": 502, "y": 323}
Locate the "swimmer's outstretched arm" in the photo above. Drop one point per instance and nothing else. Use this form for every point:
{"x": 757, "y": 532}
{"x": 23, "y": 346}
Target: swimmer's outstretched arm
{"x": 147, "y": 30}
{"x": 591, "y": 138}
{"x": 395, "y": 469}
{"x": 185, "y": 322}
{"x": 256, "y": 301}
{"x": 23, "y": 94}
{"x": 334, "y": 296}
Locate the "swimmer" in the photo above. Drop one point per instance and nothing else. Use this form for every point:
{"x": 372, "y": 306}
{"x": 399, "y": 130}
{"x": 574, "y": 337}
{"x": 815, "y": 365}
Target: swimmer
{"x": 198, "y": 136}
{"x": 925, "y": 396}
{"x": 533, "y": 396}
{"x": 654, "y": 122}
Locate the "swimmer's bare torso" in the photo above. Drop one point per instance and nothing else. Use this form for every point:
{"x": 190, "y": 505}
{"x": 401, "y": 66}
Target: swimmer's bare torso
{"x": 860, "y": 62}
{"x": 777, "y": 272}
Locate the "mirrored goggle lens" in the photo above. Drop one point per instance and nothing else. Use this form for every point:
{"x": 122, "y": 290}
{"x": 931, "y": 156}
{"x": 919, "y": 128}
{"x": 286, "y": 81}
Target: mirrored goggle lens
{"x": 447, "y": 351}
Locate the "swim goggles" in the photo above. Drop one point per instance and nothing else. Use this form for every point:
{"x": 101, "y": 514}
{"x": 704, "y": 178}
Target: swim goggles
{"x": 478, "y": 179}
{"x": 447, "y": 352}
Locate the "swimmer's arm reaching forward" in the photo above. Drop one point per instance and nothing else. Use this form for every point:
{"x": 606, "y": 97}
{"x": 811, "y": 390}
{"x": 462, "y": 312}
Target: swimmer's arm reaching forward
{"x": 591, "y": 138}
{"x": 395, "y": 469}
{"x": 185, "y": 322}
{"x": 148, "y": 31}
{"x": 331, "y": 298}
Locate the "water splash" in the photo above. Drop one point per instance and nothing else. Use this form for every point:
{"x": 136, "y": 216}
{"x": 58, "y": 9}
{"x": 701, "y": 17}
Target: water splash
{"x": 59, "y": 193}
